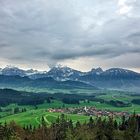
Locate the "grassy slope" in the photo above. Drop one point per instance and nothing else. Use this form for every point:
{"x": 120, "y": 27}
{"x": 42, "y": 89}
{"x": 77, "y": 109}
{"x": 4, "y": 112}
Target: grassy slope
{"x": 57, "y": 104}
{"x": 34, "y": 117}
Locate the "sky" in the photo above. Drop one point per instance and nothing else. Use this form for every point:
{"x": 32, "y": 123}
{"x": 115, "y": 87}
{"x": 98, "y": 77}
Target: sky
{"x": 81, "y": 34}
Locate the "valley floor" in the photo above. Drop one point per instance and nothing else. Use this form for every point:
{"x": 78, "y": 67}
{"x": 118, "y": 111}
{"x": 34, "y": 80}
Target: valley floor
{"x": 32, "y": 114}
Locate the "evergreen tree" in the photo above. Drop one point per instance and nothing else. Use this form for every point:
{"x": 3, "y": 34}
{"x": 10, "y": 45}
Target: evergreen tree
{"x": 78, "y": 125}
{"x": 115, "y": 125}
{"x": 69, "y": 135}
{"x": 110, "y": 129}
{"x": 123, "y": 124}
{"x": 90, "y": 124}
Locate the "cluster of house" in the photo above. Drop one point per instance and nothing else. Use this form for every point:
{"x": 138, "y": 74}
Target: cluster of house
{"x": 89, "y": 111}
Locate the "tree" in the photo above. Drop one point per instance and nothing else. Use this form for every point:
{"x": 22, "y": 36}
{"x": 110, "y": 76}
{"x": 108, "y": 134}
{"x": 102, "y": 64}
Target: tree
{"x": 110, "y": 129}
{"x": 16, "y": 110}
{"x": 90, "y": 124}
{"x": 43, "y": 128}
{"x": 78, "y": 125}
{"x": 69, "y": 135}
{"x": 123, "y": 124}
{"x": 100, "y": 134}
{"x": 115, "y": 125}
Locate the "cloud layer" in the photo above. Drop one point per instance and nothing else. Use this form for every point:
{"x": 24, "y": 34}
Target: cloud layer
{"x": 50, "y": 31}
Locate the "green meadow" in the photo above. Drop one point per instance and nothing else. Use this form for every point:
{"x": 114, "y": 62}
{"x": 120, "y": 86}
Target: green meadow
{"x": 34, "y": 117}
{"x": 34, "y": 114}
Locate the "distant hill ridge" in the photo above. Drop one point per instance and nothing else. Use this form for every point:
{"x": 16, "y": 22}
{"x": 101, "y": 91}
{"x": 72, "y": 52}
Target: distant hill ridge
{"x": 113, "y": 78}
{"x": 63, "y": 72}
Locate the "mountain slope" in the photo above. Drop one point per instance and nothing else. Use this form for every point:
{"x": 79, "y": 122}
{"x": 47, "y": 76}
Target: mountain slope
{"x": 61, "y": 73}
{"x": 114, "y": 78}
{"x": 15, "y": 71}
{"x": 47, "y": 82}
{"x": 12, "y": 71}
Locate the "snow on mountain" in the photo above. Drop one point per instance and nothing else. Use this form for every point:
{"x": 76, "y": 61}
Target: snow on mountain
{"x": 31, "y": 72}
{"x": 113, "y": 72}
{"x": 12, "y": 71}
{"x": 0, "y": 70}
{"x": 114, "y": 78}
{"x": 97, "y": 71}
{"x": 119, "y": 72}
{"x": 63, "y": 73}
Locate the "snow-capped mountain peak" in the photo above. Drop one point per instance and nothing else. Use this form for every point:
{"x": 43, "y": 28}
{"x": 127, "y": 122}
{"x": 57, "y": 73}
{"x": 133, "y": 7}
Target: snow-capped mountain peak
{"x": 0, "y": 70}
{"x": 63, "y": 73}
{"x": 97, "y": 71}
{"x": 11, "y": 70}
{"x": 14, "y": 71}
{"x": 119, "y": 71}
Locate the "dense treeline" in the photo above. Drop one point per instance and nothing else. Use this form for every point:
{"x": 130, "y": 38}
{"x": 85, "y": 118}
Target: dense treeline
{"x": 136, "y": 101}
{"x": 64, "y": 129}
{"x": 119, "y": 103}
{"x": 70, "y": 101}
{"x": 8, "y": 96}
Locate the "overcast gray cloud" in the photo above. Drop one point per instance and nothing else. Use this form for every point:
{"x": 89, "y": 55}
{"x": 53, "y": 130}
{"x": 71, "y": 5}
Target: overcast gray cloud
{"x": 53, "y": 31}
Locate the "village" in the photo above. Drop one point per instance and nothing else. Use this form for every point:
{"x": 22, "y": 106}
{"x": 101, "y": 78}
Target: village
{"x": 89, "y": 111}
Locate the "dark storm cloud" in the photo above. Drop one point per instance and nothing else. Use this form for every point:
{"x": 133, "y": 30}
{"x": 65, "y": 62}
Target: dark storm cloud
{"x": 51, "y": 30}
{"x": 3, "y": 45}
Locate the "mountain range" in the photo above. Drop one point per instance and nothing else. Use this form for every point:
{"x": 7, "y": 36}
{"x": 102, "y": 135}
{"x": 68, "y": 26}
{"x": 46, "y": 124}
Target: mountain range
{"x": 60, "y": 76}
